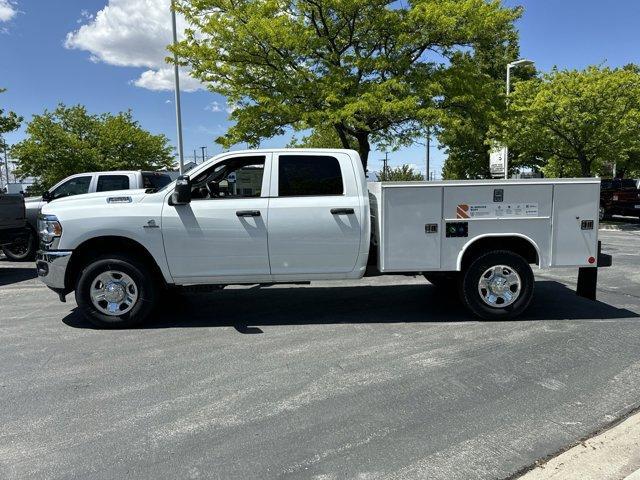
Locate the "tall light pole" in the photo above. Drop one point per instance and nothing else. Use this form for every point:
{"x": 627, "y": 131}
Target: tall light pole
{"x": 176, "y": 73}
{"x": 517, "y": 63}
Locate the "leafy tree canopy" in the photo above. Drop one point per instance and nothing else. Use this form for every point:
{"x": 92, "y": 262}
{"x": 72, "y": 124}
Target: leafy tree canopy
{"x": 403, "y": 173}
{"x": 322, "y": 137}
{"x": 475, "y": 100}
{"x": 575, "y": 122}
{"x": 69, "y": 140}
{"x": 9, "y": 121}
{"x": 369, "y": 69}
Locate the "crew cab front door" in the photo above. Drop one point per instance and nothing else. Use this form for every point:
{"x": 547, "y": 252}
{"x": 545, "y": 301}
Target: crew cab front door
{"x": 315, "y": 216}
{"x": 222, "y": 234}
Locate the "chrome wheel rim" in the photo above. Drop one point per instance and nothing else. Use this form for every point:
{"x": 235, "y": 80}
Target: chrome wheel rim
{"x": 499, "y": 286}
{"x": 113, "y": 293}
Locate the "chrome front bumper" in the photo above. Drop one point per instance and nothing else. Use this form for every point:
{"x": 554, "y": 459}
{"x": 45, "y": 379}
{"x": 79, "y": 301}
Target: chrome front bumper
{"x": 52, "y": 267}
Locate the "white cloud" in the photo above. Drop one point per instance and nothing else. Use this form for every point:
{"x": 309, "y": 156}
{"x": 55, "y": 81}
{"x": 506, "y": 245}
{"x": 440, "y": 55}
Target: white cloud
{"x": 8, "y": 10}
{"x": 214, "y": 107}
{"x": 162, "y": 80}
{"x": 132, "y": 33}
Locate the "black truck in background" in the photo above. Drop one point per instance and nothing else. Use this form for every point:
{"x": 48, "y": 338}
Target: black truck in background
{"x": 13, "y": 222}
{"x": 619, "y": 196}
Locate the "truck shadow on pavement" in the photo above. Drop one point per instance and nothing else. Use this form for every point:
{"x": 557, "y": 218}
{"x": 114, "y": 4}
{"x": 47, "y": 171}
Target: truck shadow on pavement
{"x": 10, "y": 275}
{"x": 248, "y": 308}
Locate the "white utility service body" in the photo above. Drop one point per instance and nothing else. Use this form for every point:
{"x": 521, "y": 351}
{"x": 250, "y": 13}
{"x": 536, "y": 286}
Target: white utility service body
{"x": 546, "y": 213}
{"x": 299, "y": 215}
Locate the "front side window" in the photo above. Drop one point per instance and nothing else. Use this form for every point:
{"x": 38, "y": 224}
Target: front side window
{"x": 239, "y": 177}
{"x": 108, "y": 183}
{"x": 75, "y": 186}
{"x": 155, "y": 180}
{"x": 304, "y": 175}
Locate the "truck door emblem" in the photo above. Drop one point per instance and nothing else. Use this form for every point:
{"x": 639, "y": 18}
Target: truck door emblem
{"x": 151, "y": 224}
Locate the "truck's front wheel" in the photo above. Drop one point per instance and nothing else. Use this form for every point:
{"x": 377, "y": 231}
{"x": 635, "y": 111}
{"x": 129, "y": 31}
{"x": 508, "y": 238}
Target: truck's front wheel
{"x": 498, "y": 285}
{"x": 23, "y": 249}
{"x": 115, "y": 291}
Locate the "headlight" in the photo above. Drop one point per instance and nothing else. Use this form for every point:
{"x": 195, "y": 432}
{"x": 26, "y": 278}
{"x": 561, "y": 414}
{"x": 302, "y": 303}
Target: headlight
{"x": 49, "y": 228}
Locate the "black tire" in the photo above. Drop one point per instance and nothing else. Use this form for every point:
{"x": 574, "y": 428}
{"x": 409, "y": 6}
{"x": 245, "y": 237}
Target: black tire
{"x": 146, "y": 289}
{"x": 23, "y": 249}
{"x": 471, "y": 292}
{"x": 444, "y": 281}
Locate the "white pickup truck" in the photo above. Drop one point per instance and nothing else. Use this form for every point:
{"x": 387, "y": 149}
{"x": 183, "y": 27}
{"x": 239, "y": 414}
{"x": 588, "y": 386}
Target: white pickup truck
{"x": 299, "y": 215}
{"x": 79, "y": 184}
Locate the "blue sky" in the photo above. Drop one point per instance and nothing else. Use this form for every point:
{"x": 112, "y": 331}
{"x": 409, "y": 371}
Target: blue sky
{"x": 107, "y": 55}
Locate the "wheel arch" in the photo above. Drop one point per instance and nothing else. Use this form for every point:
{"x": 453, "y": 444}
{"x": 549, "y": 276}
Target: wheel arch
{"x": 96, "y": 246}
{"x": 515, "y": 242}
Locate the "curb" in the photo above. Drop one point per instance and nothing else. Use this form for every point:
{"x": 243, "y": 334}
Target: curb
{"x": 610, "y": 455}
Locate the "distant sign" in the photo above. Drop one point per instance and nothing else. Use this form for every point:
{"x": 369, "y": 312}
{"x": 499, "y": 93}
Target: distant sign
{"x": 497, "y": 160}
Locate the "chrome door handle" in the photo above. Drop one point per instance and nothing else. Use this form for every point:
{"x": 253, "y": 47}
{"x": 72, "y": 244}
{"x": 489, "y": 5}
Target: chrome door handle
{"x": 342, "y": 211}
{"x": 248, "y": 213}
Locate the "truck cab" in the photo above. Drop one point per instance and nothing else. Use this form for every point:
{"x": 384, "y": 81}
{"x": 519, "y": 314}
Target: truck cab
{"x": 272, "y": 216}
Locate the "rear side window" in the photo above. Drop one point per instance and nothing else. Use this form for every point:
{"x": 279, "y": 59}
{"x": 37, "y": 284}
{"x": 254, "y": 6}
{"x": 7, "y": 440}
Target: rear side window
{"x": 155, "y": 180}
{"x": 304, "y": 175}
{"x": 107, "y": 183}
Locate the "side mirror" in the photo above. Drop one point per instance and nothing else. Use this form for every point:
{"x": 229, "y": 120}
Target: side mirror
{"x": 47, "y": 196}
{"x": 182, "y": 192}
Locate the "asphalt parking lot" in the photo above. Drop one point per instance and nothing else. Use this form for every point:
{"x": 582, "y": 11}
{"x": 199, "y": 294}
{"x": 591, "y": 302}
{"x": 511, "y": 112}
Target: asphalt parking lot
{"x": 385, "y": 378}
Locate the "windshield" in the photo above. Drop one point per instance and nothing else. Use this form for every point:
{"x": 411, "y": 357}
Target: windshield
{"x": 627, "y": 183}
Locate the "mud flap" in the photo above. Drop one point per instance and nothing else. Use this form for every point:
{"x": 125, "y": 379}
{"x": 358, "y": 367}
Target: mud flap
{"x": 587, "y": 282}
{"x": 588, "y": 276}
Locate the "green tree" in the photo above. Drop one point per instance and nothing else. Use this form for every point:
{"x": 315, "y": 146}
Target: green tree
{"x": 322, "y": 137}
{"x": 9, "y": 122}
{"x": 369, "y": 69}
{"x": 69, "y": 140}
{"x": 575, "y": 122}
{"x": 403, "y": 173}
{"x": 475, "y": 99}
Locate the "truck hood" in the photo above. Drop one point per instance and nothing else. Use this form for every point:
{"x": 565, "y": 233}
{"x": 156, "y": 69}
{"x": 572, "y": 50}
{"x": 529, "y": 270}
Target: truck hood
{"x": 99, "y": 198}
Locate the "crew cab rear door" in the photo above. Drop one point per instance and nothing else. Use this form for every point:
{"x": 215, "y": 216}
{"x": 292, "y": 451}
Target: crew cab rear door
{"x": 315, "y": 216}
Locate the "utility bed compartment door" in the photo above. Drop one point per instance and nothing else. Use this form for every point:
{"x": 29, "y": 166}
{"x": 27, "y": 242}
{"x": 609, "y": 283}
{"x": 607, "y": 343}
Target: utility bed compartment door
{"x": 412, "y": 225}
{"x": 573, "y": 204}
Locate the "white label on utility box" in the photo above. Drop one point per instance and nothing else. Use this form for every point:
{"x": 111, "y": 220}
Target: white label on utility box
{"x": 490, "y": 210}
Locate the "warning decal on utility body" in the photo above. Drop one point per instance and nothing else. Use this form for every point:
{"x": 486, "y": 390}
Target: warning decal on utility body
{"x": 491, "y": 210}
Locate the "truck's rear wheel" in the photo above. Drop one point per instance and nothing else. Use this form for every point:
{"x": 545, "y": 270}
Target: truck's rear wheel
{"x": 115, "y": 291}
{"x": 498, "y": 285}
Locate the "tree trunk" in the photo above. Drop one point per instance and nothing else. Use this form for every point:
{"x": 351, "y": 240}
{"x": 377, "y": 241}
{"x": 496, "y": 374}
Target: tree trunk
{"x": 343, "y": 136}
{"x": 363, "y": 147}
{"x": 585, "y": 164}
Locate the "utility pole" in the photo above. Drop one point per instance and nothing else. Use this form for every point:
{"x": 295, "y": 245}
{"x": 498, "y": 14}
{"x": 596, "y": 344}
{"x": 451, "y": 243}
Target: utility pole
{"x": 195, "y": 156}
{"x": 426, "y": 172}
{"x": 385, "y": 166}
{"x": 203, "y": 150}
{"x": 6, "y": 164}
{"x": 176, "y": 74}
